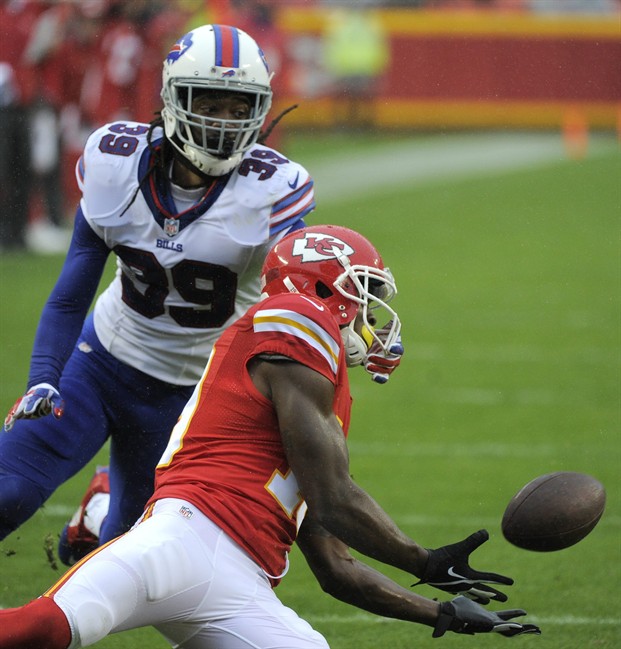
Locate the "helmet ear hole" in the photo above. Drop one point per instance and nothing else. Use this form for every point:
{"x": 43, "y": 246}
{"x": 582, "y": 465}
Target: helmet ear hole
{"x": 322, "y": 290}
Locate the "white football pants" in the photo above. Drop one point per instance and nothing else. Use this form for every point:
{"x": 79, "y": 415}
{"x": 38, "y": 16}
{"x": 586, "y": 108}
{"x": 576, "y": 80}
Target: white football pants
{"x": 180, "y": 573}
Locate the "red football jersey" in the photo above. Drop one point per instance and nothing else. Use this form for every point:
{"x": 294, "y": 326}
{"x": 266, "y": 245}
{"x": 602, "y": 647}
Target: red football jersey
{"x": 225, "y": 454}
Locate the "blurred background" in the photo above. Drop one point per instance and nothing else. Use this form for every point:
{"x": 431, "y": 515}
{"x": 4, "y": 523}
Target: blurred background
{"x": 357, "y": 66}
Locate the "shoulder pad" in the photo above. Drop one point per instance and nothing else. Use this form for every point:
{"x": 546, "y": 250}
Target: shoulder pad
{"x": 303, "y": 325}
{"x": 288, "y": 189}
{"x": 108, "y": 170}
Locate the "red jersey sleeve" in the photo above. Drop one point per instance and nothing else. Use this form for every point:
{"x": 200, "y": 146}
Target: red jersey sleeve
{"x": 300, "y": 328}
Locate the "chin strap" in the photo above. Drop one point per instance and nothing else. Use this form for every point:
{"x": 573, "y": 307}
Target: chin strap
{"x": 191, "y": 166}
{"x": 184, "y": 162}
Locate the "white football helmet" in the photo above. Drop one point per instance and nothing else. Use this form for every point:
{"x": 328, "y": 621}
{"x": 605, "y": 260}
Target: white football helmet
{"x": 224, "y": 59}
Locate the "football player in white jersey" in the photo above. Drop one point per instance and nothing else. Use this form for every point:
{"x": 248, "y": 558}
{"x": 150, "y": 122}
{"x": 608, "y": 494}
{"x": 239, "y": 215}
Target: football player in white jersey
{"x": 239, "y": 483}
{"x": 190, "y": 205}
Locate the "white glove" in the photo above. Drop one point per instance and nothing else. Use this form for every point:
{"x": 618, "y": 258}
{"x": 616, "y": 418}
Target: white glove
{"x": 381, "y": 364}
{"x": 39, "y": 401}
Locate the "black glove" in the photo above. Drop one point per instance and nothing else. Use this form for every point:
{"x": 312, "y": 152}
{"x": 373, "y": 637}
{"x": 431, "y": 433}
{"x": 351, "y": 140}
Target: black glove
{"x": 462, "y": 615}
{"x": 448, "y": 570}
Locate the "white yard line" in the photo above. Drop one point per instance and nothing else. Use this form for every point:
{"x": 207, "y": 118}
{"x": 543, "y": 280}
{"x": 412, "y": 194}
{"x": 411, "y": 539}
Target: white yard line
{"x": 415, "y": 163}
{"x": 374, "y": 619}
{"x": 491, "y": 522}
{"x": 514, "y": 353}
{"x": 367, "y": 618}
{"x": 440, "y": 449}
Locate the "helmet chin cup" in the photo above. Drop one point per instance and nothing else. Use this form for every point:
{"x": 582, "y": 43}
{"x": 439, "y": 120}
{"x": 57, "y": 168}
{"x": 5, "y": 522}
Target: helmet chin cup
{"x": 355, "y": 345}
{"x": 169, "y": 123}
{"x": 209, "y": 165}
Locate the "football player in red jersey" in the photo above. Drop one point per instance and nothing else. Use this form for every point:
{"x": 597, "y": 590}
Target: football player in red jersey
{"x": 257, "y": 460}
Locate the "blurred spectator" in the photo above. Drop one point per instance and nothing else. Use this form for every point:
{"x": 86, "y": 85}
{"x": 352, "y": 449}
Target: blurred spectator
{"x": 48, "y": 75}
{"x": 164, "y": 29}
{"x": 109, "y": 91}
{"x": 478, "y": 5}
{"x": 66, "y": 66}
{"x": 197, "y": 12}
{"x": 15, "y": 18}
{"x": 73, "y": 59}
{"x": 356, "y": 54}
{"x": 257, "y": 18}
{"x": 104, "y": 54}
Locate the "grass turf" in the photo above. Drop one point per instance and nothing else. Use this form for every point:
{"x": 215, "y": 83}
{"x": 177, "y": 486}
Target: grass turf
{"x": 509, "y": 294}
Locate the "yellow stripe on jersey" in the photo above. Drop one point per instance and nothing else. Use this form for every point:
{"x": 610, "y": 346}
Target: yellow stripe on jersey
{"x": 295, "y": 324}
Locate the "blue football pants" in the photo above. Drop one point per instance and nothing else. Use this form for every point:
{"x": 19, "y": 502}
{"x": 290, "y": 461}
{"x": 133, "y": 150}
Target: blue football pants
{"x": 104, "y": 398}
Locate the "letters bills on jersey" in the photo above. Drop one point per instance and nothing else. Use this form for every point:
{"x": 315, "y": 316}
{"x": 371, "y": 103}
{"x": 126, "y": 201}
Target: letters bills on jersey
{"x": 183, "y": 277}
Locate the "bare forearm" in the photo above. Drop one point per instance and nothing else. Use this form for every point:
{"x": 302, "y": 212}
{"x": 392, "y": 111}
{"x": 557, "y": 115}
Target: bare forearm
{"x": 372, "y": 591}
{"x": 357, "y": 520}
{"x": 317, "y": 454}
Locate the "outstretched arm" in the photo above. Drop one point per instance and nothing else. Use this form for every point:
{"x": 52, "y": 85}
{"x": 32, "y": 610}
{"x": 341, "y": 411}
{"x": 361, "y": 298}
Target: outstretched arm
{"x": 317, "y": 454}
{"x": 351, "y": 581}
{"x": 68, "y": 304}
{"x": 341, "y": 575}
{"x": 315, "y": 446}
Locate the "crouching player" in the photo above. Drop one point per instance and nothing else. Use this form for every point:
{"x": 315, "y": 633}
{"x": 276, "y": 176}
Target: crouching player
{"x": 241, "y": 481}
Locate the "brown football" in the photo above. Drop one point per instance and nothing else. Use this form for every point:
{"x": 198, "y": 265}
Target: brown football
{"x": 554, "y": 511}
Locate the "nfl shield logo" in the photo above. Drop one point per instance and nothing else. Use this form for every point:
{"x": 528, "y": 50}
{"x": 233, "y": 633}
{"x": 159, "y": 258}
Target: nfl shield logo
{"x": 186, "y": 512}
{"x": 171, "y": 227}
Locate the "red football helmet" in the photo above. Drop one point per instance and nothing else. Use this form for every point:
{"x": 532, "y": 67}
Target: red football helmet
{"x": 342, "y": 269}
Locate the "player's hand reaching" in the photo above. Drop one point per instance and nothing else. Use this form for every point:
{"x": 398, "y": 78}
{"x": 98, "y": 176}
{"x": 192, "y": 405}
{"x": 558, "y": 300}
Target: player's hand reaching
{"x": 379, "y": 364}
{"x": 462, "y": 615}
{"x": 448, "y": 569}
{"x": 40, "y": 400}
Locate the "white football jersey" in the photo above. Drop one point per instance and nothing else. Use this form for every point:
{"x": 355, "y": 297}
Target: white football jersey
{"x": 181, "y": 278}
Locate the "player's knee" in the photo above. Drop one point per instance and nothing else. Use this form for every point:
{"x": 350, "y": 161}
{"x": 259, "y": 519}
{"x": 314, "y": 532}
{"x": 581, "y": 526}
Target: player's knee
{"x": 93, "y": 621}
{"x": 19, "y": 500}
{"x": 98, "y": 597}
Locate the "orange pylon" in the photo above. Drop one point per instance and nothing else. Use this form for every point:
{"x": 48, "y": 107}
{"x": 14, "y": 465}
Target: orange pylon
{"x": 575, "y": 133}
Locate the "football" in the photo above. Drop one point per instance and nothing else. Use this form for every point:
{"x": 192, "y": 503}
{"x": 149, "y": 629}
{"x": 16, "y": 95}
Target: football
{"x": 554, "y": 511}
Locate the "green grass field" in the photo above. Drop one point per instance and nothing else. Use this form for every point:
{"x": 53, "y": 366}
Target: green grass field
{"x": 509, "y": 293}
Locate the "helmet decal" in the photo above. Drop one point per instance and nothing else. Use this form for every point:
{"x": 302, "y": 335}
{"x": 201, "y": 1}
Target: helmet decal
{"x": 179, "y": 48}
{"x": 227, "y": 46}
{"x": 267, "y": 69}
{"x": 316, "y": 246}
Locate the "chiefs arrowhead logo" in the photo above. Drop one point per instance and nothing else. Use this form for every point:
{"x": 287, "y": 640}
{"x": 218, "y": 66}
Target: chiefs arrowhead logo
{"x": 319, "y": 247}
